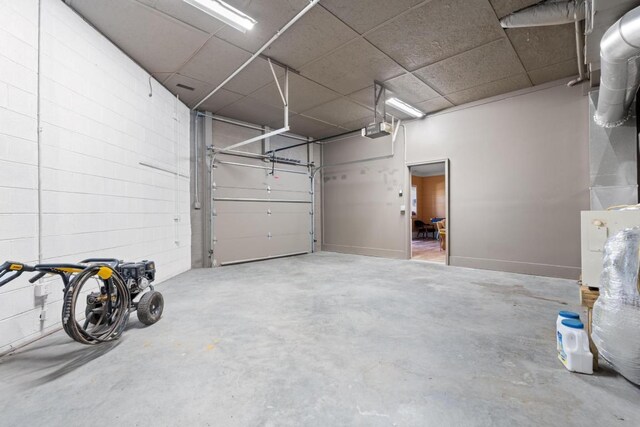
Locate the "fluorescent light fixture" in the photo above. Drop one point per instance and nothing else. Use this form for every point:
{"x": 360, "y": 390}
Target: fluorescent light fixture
{"x": 225, "y": 13}
{"x": 405, "y": 108}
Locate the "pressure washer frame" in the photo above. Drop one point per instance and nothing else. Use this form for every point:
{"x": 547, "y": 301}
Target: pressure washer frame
{"x": 107, "y": 269}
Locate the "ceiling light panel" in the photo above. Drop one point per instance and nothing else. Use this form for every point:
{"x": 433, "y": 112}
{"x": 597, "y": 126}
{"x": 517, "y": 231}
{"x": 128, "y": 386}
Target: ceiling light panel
{"x": 225, "y": 13}
{"x": 405, "y": 108}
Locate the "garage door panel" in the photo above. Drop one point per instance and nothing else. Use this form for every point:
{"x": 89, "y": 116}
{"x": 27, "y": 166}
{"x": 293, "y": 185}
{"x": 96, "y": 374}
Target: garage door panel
{"x": 288, "y": 223}
{"x": 231, "y": 207}
{"x": 240, "y": 225}
{"x": 289, "y": 195}
{"x": 290, "y": 182}
{"x": 275, "y": 223}
{"x": 290, "y": 244}
{"x": 242, "y": 193}
{"x": 235, "y": 176}
{"x": 291, "y": 208}
{"x": 234, "y": 250}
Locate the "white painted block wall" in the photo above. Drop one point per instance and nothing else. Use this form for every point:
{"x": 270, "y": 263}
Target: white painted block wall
{"x": 114, "y": 161}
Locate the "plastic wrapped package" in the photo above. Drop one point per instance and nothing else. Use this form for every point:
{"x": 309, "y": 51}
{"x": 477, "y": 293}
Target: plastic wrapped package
{"x": 616, "y": 313}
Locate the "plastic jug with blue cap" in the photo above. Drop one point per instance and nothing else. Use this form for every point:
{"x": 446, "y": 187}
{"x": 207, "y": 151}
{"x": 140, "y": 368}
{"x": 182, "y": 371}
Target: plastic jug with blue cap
{"x": 563, "y": 314}
{"x": 574, "y": 347}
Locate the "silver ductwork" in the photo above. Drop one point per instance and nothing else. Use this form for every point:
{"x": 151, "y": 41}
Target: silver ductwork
{"x": 619, "y": 76}
{"x": 552, "y": 12}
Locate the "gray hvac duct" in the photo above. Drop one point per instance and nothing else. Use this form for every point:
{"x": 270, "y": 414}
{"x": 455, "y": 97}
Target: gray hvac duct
{"x": 619, "y": 61}
{"x": 552, "y": 12}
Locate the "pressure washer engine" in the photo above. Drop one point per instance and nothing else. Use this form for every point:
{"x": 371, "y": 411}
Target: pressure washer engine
{"x": 99, "y": 295}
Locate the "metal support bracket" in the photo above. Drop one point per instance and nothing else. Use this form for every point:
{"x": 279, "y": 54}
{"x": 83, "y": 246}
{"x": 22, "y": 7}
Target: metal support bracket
{"x": 285, "y": 101}
{"x": 379, "y": 93}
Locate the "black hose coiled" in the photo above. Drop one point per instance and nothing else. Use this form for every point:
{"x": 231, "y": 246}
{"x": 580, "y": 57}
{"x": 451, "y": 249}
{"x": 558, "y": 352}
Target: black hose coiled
{"x": 106, "y": 328}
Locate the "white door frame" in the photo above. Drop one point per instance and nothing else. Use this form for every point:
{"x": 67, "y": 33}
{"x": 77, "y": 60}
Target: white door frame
{"x": 408, "y": 165}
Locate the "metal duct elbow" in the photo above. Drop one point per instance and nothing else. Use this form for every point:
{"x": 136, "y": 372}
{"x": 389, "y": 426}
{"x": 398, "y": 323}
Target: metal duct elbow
{"x": 547, "y": 13}
{"x": 619, "y": 62}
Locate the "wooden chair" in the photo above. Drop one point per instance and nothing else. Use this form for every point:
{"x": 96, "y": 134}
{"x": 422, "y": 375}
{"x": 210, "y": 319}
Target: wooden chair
{"x": 421, "y": 227}
{"x": 442, "y": 233}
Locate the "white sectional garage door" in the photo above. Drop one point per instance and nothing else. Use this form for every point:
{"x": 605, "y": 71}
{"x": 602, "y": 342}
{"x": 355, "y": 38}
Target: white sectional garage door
{"x": 259, "y": 212}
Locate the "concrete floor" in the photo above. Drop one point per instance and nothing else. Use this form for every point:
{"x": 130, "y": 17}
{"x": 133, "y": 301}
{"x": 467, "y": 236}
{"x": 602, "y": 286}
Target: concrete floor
{"x": 325, "y": 340}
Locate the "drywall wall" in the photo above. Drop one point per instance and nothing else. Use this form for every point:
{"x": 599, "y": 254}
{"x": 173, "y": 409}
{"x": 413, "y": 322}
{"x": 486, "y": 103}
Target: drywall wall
{"x": 250, "y": 230}
{"x": 361, "y": 202}
{"x": 519, "y": 177}
{"x": 114, "y": 161}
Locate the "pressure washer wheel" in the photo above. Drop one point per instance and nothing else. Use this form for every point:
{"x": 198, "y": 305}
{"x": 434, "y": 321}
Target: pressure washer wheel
{"x": 150, "y": 307}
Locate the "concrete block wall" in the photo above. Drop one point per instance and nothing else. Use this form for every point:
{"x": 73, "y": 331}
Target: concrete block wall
{"x": 18, "y": 162}
{"x": 114, "y": 161}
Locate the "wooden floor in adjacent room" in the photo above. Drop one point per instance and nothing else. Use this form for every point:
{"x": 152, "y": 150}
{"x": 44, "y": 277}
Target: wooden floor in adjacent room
{"x": 427, "y": 250}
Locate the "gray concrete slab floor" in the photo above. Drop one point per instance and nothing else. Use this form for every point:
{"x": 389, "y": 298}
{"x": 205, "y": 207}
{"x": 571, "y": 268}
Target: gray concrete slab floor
{"x": 325, "y": 340}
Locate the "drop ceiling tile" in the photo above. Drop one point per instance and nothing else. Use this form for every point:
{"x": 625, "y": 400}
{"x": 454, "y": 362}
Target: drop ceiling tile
{"x": 256, "y": 75}
{"x": 410, "y": 89}
{"x": 554, "y": 72}
{"x": 315, "y": 34}
{"x": 271, "y": 15}
{"x": 309, "y": 127}
{"x": 198, "y": 89}
{"x": 339, "y": 111}
{"x": 488, "y": 90}
{"x": 328, "y": 132}
{"x": 363, "y": 15}
{"x": 538, "y": 47}
{"x": 303, "y": 94}
{"x": 433, "y": 105}
{"x": 187, "y": 14}
{"x": 363, "y": 96}
{"x": 352, "y": 67}
{"x": 219, "y": 100}
{"x": 215, "y": 61}
{"x": 505, "y": 7}
{"x": 437, "y": 30}
{"x": 157, "y": 42}
{"x": 252, "y": 111}
{"x": 483, "y": 64}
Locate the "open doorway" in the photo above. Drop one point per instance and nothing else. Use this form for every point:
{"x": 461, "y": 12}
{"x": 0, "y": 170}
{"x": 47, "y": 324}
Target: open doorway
{"x": 429, "y": 212}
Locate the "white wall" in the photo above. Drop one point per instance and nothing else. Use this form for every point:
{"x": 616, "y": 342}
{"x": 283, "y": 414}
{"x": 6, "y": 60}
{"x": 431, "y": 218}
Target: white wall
{"x": 98, "y": 124}
{"x": 519, "y": 177}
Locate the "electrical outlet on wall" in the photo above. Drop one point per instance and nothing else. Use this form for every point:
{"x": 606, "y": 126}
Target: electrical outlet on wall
{"x": 41, "y": 290}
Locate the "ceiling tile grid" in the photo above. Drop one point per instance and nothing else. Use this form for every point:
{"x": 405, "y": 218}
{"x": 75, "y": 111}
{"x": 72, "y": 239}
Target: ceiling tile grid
{"x": 492, "y": 61}
{"x": 433, "y": 54}
{"x": 437, "y": 30}
{"x": 339, "y": 111}
{"x": 488, "y": 90}
{"x": 303, "y": 93}
{"x": 215, "y": 61}
{"x": 410, "y": 88}
{"x": 309, "y": 127}
{"x": 363, "y": 15}
{"x": 315, "y": 34}
{"x": 219, "y": 100}
{"x": 539, "y": 47}
{"x": 352, "y": 67}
